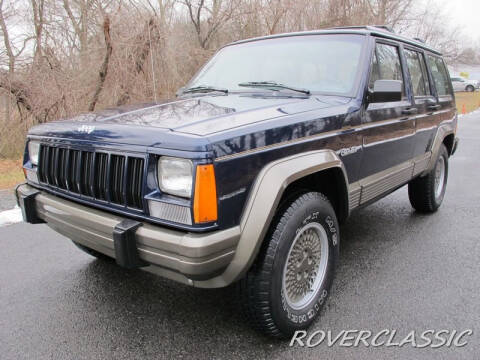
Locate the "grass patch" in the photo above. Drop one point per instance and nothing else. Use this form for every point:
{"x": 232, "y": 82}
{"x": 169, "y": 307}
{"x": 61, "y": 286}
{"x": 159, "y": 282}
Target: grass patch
{"x": 470, "y": 100}
{"x": 11, "y": 173}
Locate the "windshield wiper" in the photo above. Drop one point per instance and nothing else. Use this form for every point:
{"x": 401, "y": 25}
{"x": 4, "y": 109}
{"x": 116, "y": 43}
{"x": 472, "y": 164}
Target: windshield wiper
{"x": 272, "y": 85}
{"x": 204, "y": 89}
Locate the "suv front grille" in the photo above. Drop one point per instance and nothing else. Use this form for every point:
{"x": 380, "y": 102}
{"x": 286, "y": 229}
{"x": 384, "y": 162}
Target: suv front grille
{"x": 98, "y": 175}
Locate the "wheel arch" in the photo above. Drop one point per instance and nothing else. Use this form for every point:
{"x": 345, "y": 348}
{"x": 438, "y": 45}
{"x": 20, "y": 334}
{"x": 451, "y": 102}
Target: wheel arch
{"x": 445, "y": 135}
{"x": 265, "y": 197}
{"x": 449, "y": 141}
{"x": 331, "y": 182}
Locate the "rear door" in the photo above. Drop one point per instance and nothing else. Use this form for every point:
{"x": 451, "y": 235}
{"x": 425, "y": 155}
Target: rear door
{"x": 389, "y": 128}
{"x": 424, "y": 100}
{"x": 440, "y": 80}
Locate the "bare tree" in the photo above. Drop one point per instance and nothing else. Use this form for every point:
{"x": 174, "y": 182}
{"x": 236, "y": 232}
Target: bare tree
{"x": 6, "y": 39}
{"x": 7, "y": 83}
{"x": 12, "y": 52}
{"x": 17, "y": 89}
{"x": 137, "y": 58}
{"x": 102, "y": 75}
{"x": 389, "y": 12}
{"x": 274, "y": 12}
{"x": 38, "y": 8}
{"x": 208, "y": 17}
{"x": 79, "y": 18}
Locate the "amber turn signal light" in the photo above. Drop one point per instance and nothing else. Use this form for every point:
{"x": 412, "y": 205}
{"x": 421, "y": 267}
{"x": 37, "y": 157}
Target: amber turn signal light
{"x": 205, "y": 199}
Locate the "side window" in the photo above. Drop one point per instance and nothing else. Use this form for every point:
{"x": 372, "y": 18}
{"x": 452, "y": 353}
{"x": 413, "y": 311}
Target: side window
{"x": 440, "y": 75}
{"x": 418, "y": 73}
{"x": 386, "y": 65}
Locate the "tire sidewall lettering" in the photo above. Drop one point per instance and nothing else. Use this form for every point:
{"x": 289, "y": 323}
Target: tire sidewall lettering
{"x": 309, "y": 312}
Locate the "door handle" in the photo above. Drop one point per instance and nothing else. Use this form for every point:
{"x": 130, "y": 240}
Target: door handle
{"x": 410, "y": 111}
{"x": 434, "y": 107}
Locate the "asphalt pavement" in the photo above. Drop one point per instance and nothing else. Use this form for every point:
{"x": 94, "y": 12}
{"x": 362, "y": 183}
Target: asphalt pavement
{"x": 398, "y": 270}
{"x": 7, "y": 199}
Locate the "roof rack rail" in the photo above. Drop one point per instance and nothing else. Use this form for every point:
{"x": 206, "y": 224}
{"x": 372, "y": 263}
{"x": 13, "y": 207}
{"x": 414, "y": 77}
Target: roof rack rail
{"x": 366, "y": 27}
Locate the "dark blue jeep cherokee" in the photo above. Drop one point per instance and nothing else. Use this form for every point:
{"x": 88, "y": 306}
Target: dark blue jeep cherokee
{"x": 246, "y": 175}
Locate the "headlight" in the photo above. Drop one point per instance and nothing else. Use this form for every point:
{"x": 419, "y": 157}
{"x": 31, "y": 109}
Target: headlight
{"x": 175, "y": 176}
{"x": 33, "y": 150}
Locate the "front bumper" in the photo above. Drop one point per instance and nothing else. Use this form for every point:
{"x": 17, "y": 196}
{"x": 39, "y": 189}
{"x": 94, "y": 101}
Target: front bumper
{"x": 178, "y": 255}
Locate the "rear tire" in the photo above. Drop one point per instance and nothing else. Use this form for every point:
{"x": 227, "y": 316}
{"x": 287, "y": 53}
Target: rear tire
{"x": 426, "y": 193}
{"x": 93, "y": 253}
{"x": 291, "y": 277}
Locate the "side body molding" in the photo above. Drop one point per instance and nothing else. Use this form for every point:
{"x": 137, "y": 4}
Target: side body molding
{"x": 263, "y": 200}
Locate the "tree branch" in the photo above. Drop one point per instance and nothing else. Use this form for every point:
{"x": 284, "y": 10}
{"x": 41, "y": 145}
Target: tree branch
{"x": 17, "y": 89}
{"x": 141, "y": 54}
{"x": 6, "y": 40}
{"x": 104, "y": 68}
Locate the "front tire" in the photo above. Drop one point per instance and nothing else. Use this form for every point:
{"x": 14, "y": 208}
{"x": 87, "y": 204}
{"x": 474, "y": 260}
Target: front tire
{"x": 426, "y": 193}
{"x": 291, "y": 277}
{"x": 470, "y": 88}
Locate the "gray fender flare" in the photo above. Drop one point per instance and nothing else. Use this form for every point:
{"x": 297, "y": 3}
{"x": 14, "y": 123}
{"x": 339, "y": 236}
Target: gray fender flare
{"x": 443, "y": 131}
{"x": 262, "y": 203}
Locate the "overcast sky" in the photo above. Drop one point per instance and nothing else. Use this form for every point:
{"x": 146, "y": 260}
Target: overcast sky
{"x": 466, "y": 13}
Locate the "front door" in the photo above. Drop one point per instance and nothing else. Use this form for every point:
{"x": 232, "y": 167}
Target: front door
{"x": 388, "y": 128}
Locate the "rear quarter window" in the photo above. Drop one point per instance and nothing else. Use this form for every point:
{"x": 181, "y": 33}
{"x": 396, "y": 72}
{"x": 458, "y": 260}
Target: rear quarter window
{"x": 418, "y": 73}
{"x": 440, "y": 75}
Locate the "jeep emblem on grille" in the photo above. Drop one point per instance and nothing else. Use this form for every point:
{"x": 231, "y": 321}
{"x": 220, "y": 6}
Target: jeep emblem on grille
{"x": 86, "y": 129}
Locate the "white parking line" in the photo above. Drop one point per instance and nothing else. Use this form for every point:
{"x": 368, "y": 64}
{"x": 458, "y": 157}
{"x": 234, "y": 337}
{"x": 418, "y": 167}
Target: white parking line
{"x": 11, "y": 216}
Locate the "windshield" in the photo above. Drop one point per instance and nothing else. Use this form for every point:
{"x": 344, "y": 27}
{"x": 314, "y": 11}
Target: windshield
{"x": 327, "y": 64}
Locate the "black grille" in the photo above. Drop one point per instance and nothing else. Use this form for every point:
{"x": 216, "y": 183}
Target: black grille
{"x": 134, "y": 181}
{"x": 97, "y": 175}
{"x": 117, "y": 171}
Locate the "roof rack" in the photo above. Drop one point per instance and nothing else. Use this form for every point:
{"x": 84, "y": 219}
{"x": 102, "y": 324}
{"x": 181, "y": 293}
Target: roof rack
{"x": 367, "y": 27}
{"x": 378, "y": 30}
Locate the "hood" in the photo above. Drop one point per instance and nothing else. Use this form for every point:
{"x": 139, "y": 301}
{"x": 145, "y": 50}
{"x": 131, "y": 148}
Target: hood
{"x": 168, "y": 124}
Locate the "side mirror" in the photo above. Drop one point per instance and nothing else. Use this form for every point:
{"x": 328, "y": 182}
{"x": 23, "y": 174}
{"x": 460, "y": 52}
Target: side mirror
{"x": 386, "y": 91}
